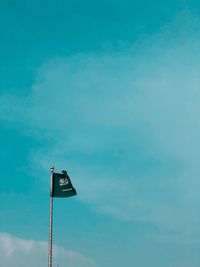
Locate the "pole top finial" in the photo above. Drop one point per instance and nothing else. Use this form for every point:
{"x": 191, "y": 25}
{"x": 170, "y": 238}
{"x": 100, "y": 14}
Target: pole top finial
{"x": 52, "y": 168}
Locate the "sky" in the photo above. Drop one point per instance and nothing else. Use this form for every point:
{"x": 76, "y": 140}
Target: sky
{"x": 109, "y": 91}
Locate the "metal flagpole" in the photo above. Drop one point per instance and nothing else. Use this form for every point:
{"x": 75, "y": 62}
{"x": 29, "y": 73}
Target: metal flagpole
{"x": 50, "y": 219}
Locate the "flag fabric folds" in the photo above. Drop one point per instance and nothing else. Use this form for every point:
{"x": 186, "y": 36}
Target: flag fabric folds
{"x": 62, "y": 186}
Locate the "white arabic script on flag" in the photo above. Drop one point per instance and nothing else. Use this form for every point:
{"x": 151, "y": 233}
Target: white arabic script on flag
{"x": 63, "y": 181}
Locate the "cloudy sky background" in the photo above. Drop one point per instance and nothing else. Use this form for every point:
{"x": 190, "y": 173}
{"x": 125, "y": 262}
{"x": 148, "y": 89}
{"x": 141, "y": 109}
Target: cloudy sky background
{"x": 110, "y": 92}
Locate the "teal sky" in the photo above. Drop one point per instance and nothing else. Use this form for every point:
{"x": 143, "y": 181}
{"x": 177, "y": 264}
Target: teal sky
{"x": 109, "y": 91}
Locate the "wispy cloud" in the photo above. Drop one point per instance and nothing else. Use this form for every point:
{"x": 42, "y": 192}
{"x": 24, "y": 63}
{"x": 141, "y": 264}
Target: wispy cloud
{"x": 16, "y": 251}
{"x": 126, "y": 123}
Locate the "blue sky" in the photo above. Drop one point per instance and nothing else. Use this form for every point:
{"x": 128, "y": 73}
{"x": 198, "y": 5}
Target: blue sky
{"x": 108, "y": 90}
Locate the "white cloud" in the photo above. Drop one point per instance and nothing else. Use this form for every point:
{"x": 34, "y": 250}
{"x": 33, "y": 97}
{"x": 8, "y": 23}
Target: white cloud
{"x": 126, "y": 124}
{"x": 15, "y": 251}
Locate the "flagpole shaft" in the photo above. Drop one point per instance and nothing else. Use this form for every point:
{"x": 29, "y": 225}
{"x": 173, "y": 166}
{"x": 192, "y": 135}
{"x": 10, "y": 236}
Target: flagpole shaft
{"x": 50, "y": 220}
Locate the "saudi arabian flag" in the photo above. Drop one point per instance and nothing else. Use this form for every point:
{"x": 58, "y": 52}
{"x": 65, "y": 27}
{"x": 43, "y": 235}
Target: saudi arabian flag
{"x": 62, "y": 186}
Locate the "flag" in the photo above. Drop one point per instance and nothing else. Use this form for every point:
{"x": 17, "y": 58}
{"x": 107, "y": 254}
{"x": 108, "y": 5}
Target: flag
{"x": 62, "y": 186}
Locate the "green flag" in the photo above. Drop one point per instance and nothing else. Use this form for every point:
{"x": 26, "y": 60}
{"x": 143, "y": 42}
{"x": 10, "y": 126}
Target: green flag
{"x": 62, "y": 186}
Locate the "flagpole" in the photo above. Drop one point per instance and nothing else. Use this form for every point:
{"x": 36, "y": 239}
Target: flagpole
{"x": 50, "y": 219}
